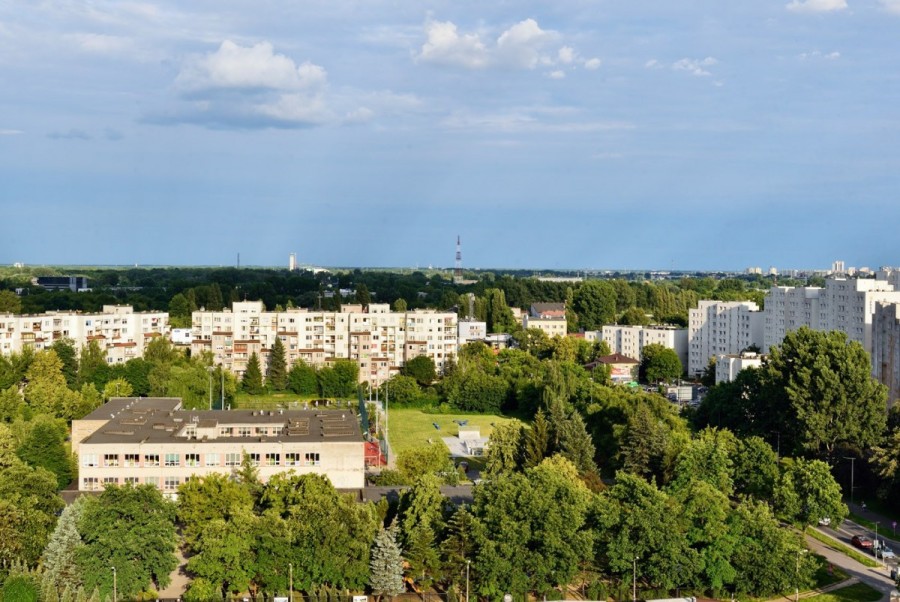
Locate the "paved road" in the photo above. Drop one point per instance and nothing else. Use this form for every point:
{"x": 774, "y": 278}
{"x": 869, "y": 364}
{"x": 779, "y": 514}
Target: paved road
{"x": 878, "y": 578}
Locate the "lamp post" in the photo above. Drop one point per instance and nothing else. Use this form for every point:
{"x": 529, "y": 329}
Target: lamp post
{"x": 852, "y": 460}
{"x": 634, "y": 580}
{"x": 115, "y": 584}
{"x": 778, "y": 445}
{"x": 291, "y": 581}
{"x": 876, "y": 543}
{"x": 468, "y": 562}
{"x": 222, "y": 390}
{"x": 797, "y": 577}
{"x": 209, "y": 370}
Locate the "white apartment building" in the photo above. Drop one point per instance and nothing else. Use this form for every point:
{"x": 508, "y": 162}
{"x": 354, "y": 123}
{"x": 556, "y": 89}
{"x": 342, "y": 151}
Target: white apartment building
{"x": 631, "y": 340}
{"x": 721, "y": 328}
{"x": 886, "y": 348}
{"x": 380, "y": 340}
{"x": 118, "y": 329}
{"x": 844, "y": 304}
{"x": 471, "y": 330}
{"x": 552, "y": 326}
{"x": 728, "y": 366}
{"x": 153, "y": 441}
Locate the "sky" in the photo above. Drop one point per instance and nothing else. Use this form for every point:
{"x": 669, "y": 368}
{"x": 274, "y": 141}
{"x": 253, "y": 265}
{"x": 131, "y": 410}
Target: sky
{"x": 580, "y": 134}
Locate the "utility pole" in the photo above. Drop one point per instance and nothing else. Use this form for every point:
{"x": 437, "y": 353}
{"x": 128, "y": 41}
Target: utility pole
{"x": 115, "y": 588}
{"x": 468, "y": 562}
{"x": 291, "y": 581}
{"x": 634, "y": 580}
{"x": 852, "y": 460}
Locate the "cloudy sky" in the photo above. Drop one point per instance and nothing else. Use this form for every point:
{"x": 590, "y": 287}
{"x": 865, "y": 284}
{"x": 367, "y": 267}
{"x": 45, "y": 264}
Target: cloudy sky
{"x": 703, "y": 134}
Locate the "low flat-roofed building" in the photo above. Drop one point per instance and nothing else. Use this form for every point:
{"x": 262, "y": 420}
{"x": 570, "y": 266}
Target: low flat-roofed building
{"x": 728, "y": 366}
{"x": 153, "y": 441}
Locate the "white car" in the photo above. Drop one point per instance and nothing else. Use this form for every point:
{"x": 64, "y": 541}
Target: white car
{"x": 824, "y": 522}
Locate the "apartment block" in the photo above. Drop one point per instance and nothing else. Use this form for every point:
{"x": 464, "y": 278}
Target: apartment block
{"x": 118, "y": 329}
{"x": 380, "y": 340}
{"x": 728, "y": 366}
{"x": 721, "y": 328}
{"x": 153, "y": 441}
{"x": 631, "y": 340}
{"x": 847, "y": 305}
{"x": 886, "y": 348}
{"x": 547, "y": 317}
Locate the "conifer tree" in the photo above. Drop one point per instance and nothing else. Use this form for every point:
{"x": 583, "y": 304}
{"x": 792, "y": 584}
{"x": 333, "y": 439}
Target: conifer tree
{"x": 386, "y": 564}
{"x": 60, "y": 566}
{"x": 537, "y": 440}
{"x": 276, "y": 379}
{"x": 253, "y": 382}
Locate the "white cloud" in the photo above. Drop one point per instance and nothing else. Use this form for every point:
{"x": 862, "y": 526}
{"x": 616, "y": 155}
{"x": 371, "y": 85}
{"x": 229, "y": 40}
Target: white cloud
{"x": 521, "y": 46}
{"x": 891, "y": 6}
{"x": 11, "y": 132}
{"x": 557, "y": 74}
{"x": 697, "y": 67}
{"x": 254, "y": 67}
{"x": 651, "y": 64}
{"x": 815, "y": 54}
{"x": 446, "y": 47}
{"x": 816, "y": 6}
{"x": 530, "y": 119}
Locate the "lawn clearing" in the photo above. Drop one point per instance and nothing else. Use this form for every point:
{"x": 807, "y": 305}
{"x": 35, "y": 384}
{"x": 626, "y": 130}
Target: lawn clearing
{"x": 411, "y": 427}
{"x": 858, "y": 592}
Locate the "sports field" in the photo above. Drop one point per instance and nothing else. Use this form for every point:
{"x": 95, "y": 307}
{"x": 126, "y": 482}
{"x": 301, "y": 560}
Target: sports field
{"x": 410, "y": 427}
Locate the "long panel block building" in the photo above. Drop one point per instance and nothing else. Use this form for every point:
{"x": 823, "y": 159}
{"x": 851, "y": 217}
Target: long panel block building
{"x": 154, "y": 441}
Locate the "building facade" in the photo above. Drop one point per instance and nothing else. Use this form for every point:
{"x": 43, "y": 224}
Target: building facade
{"x": 120, "y": 331}
{"x": 152, "y": 441}
{"x": 721, "y": 328}
{"x": 886, "y": 348}
{"x": 728, "y": 366}
{"x": 631, "y": 340}
{"x": 381, "y": 341}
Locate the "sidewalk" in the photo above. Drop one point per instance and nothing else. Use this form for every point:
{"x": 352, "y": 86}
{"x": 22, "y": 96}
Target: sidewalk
{"x": 815, "y": 592}
{"x": 886, "y": 526}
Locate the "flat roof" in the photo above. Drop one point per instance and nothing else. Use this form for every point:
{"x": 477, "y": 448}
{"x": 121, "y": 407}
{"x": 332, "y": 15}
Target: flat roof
{"x": 160, "y": 420}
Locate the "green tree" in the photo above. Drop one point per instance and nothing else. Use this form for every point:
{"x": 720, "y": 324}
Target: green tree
{"x": 659, "y": 364}
{"x": 575, "y": 444}
{"x": 458, "y": 546}
{"x": 420, "y": 368}
{"x": 180, "y": 312}
{"x": 499, "y": 316}
{"x": 29, "y": 504}
{"x": 347, "y": 377}
{"x": 537, "y": 441}
{"x": 401, "y": 389}
{"x": 205, "y": 499}
{"x": 421, "y": 519}
{"x": 645, "y": 447}
{"x": 302, "y": 379}
{"x": 821, "y": 387}
{"x": 44, "y": 446}
{"x": 252, "y": 381}
{"x": 10, "y": 303}
{"x": 807, "y": 493}
{"x": 133, "y": 529}
{"x": 755, "y": 468}
{"x": 276, "y": 377}
{"x": 386, "y": 565}
{"x": 595, "y": 304}
{"x": 11, "y": 404}
{"x": 504, "y": 454}
{"x": 634, "y": 316}
{"x": 707, "y": 458}
{"x": 47, "y": 391}
{"x": 65, "y": 351}
{"x": 118, "y": 387}
{"x": 92, "y": 366}
{"x": 363, "y": 297}
{"x": 400, "y": 305}
{"x": 60, "y": 556}
{"x": 225, "y": 553}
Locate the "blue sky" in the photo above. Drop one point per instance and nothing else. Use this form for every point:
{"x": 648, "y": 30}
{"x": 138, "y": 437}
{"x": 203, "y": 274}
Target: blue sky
{"x": 697, "y": 134}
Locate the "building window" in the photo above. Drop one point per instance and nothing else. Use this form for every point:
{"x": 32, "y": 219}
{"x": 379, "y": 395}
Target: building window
{"x": 171, "y": 459}
{"x": 110, "y": 481}
{"x": 91, "y": 484}
{"x": 151, "y": 459}
{"x": 132, "y": 459}
{"x": 232, "y": 459}
{"x": 90, "y": 460}
{"x": 171, "y": 483}
{"x": 110, "y": 459}
{"x": 254, "y": 459}
{"x": 292, "y": 459}
{"x": 131, "y": 480}
{"x": 272, "y": 459}
{"x": 225, "y": 431}
{"x": 311, "y": 459}
{"x": 192, "y": 459}
{"x": 243, "y": 431}
{"x": 262, "y": 430}
{"x": 212, "y": 459}
{"x": 154, "y": 481}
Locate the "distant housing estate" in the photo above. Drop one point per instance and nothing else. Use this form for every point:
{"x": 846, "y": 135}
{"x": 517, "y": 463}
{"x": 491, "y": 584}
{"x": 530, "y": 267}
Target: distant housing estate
{"x": 118, "y": 330}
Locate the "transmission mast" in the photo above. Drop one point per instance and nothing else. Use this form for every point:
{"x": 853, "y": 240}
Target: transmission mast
{"x": 457, "y": 273}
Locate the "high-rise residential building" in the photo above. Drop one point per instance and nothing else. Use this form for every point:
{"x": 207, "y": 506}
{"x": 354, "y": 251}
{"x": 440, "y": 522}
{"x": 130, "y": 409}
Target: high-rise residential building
{"x": 119, "y": 331}
{"x": 631, "y": 340}
{"x": 886, "y": 348}
{"x": 844, "y": 304}
{"x": 380, "y": 340}
{"x": 721, "y": 328}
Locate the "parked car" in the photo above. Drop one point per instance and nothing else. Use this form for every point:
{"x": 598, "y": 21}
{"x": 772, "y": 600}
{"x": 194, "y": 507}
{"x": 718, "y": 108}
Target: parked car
{"x": 863, "y": 543}
{"x": 824, "y": 522}
{"x": 885, "y": 552}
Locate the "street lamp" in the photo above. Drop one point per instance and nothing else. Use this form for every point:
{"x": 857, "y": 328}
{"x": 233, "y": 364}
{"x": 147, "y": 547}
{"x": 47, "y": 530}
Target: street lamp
{"x": 222, "y": 390}
{"x": 468, "y": 562}
{"x": 634, "y": 580}
{"x": 210, "y": 371}
{"x": 115, "y": 584}
{"x": 797, "y": 577}
{"x": 291, "y": 581}
{"x": 852, "y": 460}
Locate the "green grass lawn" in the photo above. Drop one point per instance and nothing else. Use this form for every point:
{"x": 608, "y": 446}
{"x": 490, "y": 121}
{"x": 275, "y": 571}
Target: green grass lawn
{"x": 858, "y": 592}
{"x": 411, "y": 427}
{"x": 843, "y": 549}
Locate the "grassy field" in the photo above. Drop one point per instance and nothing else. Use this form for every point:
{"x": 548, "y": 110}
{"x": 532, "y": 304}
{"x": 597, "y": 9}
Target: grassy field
{"x": 410, "y": 427}
{"x": 858, "y": 592}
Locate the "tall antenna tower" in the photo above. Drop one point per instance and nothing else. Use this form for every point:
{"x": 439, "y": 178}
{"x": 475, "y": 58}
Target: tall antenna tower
{"x": 457, "y": 273}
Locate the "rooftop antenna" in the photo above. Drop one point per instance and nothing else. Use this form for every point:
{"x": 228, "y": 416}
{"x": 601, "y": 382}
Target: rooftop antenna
{"x": 457, "y": 273}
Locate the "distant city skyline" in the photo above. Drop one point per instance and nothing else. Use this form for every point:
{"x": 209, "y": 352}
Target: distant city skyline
{"x": 590, "y": 134}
